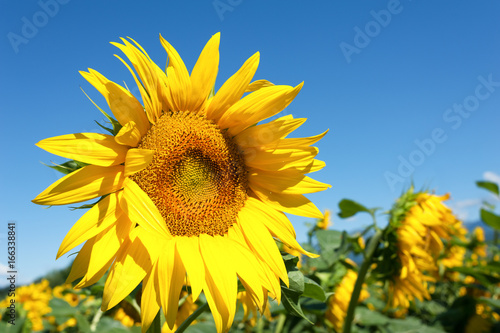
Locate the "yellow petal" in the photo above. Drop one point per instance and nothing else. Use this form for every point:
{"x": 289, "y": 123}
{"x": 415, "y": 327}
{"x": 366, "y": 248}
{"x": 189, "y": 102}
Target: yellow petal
{"x": 204, "y": 73}
{"x": 137, "y": 159}
{"x": 83, "y": 184}
{"x": 98, "y": 218}
{"x": 91, "y": 148}
{"x": 142, "y": 210}
{"x": 232, "y": 90}
{"x": 79, "y": 267}
{"x": 278, "y": 224}
{"x": 285, "y": 182}
{"x": 132, "y": 262}
{"x": 269, "y": 133}
{"x": 221, "y": 281}
{"x": 104, "y": 250}
{"x": 249, "y": 270}
{"x": 189, "y": 251}
{"x": 295, "y": 204}
{"x": 178, "y": 78}
{"x": 171, "y": 274}
{"x": 129, "y": 135}
{"x": 257, "y": 106}
{"x": 150, "y": 300}
{"x": 297, "y": 142}
{"x": 122, "y": 103}
{"x": 256, "y": 85}
{"x": 150, "y": 103}
{"x": 279, "y": 159}
{"x": 261, "y": 241}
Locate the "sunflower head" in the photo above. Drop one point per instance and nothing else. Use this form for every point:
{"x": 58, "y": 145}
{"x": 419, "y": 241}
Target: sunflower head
{"x": 420, "y": 229}
{"x": 190, "y": 184}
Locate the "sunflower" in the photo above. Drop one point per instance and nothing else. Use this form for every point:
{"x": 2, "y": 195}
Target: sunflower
{"x": 421, "y": 222}
{"x": 189, "y": 184}
{"x": 339, "y": 301}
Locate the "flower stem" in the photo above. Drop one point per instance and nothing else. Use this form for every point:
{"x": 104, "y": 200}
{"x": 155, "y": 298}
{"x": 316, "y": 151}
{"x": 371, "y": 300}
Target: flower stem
{"x": 370, "y": 250}
{"x": 185, "y": 324}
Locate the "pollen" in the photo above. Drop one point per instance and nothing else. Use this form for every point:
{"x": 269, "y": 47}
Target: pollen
{"x": 197, "y": 178}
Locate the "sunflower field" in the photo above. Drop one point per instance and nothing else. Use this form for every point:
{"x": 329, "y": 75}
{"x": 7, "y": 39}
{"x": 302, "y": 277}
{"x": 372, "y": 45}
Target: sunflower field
{"x": 186, "y": 229}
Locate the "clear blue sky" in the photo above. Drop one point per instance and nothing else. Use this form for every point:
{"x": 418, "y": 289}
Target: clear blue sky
{"x": 381, "y": 75}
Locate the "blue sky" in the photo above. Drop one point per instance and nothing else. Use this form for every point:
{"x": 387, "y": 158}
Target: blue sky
{"x": 410, "y": 91}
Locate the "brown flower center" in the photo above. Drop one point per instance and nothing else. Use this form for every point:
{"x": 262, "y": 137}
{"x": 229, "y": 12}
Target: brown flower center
{"x": 197, "y": 178}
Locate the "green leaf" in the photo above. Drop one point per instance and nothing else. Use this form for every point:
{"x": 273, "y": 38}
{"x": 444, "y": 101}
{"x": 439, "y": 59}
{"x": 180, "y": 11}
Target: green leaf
{"x": 368, "y": 317}
{"x": 490, "y": 219}
{"x": 291, "y": 301}
{"x": 328, "y": 240}
{"x": 313, "y": 290}
{"x": 201, "y": 328}
{"x": 105, "y": 128}
{"x": 490, "y": 186}
{"x": 349, "y": 208}
{"x": 296, "y": 279}
{"x": 61, "y": 308}
{"x": 67, "y": 167}
{"x": 411, "y": 324}
{"x": 495, "y": 303}
{"x": 83, "y": 323}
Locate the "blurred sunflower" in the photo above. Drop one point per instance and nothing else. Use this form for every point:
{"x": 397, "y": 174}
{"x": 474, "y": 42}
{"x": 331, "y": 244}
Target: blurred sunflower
{"x": 421, "y": 222}
{"x": 188, "y": 185}
{"x": 339, "y": 301}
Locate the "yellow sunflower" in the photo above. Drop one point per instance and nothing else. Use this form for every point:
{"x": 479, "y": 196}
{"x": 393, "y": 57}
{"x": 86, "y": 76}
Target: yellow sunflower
{"x": 420, "y": 233}
{"x": 339, "y": 301}
{"x": 188, "y": 185}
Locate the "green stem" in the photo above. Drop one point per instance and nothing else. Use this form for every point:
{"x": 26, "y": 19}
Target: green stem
{"x": 155, "y": 325}
{"x": 370, "y": 250}
{"x": 185, "y": 324}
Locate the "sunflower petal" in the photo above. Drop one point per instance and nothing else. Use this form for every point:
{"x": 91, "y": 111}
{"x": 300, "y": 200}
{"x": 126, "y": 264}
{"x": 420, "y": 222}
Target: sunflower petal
{"x": 137, "y": 159}
{"x": 269, "y": 133}
{"x": 261, "y": 241}
{"x": 204, "y": 73}
{"x": 129, "y": 135}
{"x": 91, "y": 148}
{"x": 189, "y": 250}
{"x": 132, "y": 263}
{"x": 285, "y": 182}
{"x": 150, "y": 300}
{"x": 98, "y": 218}
{"x": 221, "y": 282}
{"x": 257, "y": 106}
{"x": 104, "y": 250}
{"x": 179, "y": 81}
{"x": 232, "y": 90}
{"x": 295, "y": 204}
{"x": 122, "y": 103}
{"x": 279, "y": 159}
{"x": 171, "y": 274}
{"x": 83, "y": 184}
{"x": 256, "y": 85}
{"x": 278, "y": 224}
{"x": 142, "y": 210}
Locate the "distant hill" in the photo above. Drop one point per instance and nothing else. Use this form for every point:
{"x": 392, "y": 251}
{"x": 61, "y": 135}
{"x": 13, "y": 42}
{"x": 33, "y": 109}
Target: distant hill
{"x": 488, "y": 231}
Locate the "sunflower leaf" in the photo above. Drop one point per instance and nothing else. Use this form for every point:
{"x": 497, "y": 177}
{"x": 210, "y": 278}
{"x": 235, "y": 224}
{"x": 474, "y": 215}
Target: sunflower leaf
{"x": 350, "y": 208}
{"x": 313, "y": 290}
{"x": 489, "y": 186}
{"x": 291, "y": 301}
{"x": 490, "y": 219}
{"x": 105, "y": 128}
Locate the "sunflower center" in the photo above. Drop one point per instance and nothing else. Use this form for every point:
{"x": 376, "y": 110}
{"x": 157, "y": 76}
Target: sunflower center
{"x": 197, "y": 178}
